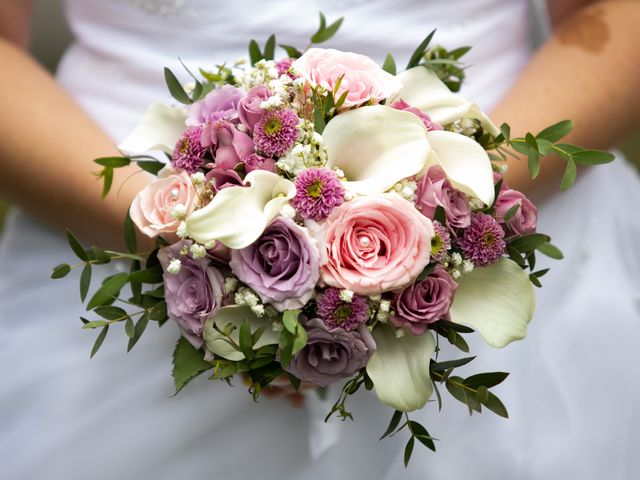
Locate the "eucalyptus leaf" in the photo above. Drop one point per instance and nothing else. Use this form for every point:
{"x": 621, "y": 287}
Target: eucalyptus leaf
{"x": 328, "y": 32}
{"x": 109, "y": 290}
{"x": 408, "y": 450}
{"x": 150, "y": 275}
{"x": 111, "y": 313}
{"x": 107, "y": 181}
{"x": 533, "y": 162}
{"x": 530, "y": 242}
{"x": 488, "y": 380}
{"x": 246, "y": 345}
{"x": 99, "y": 340}
{"x": 442, "y": 366}
{"x": 76, "y": 246}
{"x": 61, "y": 271}
{"x": 393, "y": 424}
{"x": 113, "y": 162}
{"x": 175, "y": 87}
{"x": 550, "y": 251}
{"x": 151, "y": 166}
{"x": 139, "y": 329}
{"x": 420, "y": 50}
{"x": 593, "y": 157}
{"x": 85, "y": 282}
{"x": 422, "y": 435}
{"x": 569, "y": 176}
{"x": 129, "y": 328}
{"x": 130, "y": 234}
{"x": 494, "y": 404}
{"x": 270, "y": 48}
{"x": 292, "y": 52}
{"x": 556, "y": 131}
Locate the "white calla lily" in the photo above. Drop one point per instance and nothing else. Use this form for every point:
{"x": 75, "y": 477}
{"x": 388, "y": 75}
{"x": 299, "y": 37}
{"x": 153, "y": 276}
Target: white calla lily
{"x": 421, "y": 88}
{"x": 497, "y": 300}
{"x": 464, "y": 162}
{"x": 237, "y": 216}
{"x": 376, "y": 147}
{"x": 159, "y": 129}
{"x": 225, "y": 325}
{"x": 399, "y": 368}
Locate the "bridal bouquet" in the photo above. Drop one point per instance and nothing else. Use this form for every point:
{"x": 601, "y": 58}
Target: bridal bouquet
{"x": 322, "y": 219}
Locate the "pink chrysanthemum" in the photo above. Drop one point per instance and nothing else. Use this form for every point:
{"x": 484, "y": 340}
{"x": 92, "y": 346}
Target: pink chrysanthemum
{"x": 336, "y": 313}
{"x": 189, "y": 152}
{"x": 440, "y": 243}
{"x": 283, "y": 66}
{"x": 318, "y": 192}
{"x": 276, "y": 132}
{"x": 483, "y": 241}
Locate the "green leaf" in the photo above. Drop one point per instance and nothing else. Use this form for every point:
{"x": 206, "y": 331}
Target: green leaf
{"x": 393, "y": 424}
{"x": 408, "y": 450}
{"x": 255, "y": 55}
{"x": 459, "y": 52}
{"x": 270, "y": 48}
{"x": 245, "y": 340}
{"x": 299, "y": 341}
{"x": 107, "y": 181}
{"x": 325, "y": 33}
{"x": 446, "y": 365}
{"x": 569, "y": 176}
{"x": 98, "y": 343}
{"x": 109, "y": 290}
{"x": 130, "y": 234}
{"x": 111, "y": 313}
{"x": 129, "y": 328}
{"x": 494, "y": 404}
{"x": 522, "y": 147}
{"x": 505, "y": 129}
{"x": 323, "y": 23}
{"x": 533, "y": 163}
{"x": 419, "y": 52}
{"x": 487, "y": 380}
{"x": 318, "y": 120}
{"x": 511, "y": 212}
{"x": 188, "y": 362}
{"x": 290, "y": 320}
{"x": 593, "y": 157}
{"x": 389, "y": 64}
{"x": 76, "y": 246}
{"x": 175, "y": 87}
{"x": 533, "y": 279}
{"x": 95, "y": 324}
{"x": 139, "y": 329}
{"x": 440, "y": 216}
{"x": 541, "y": 273}
{"x": 286, "y": 347}
{"x": 341, "y": 99}
{"x": 150, "y": 275}
{"x": 292, "y": 52}
{"x": 61, "y": 271}
{"x": 151, "y": 166}
{"x": 550, "y": 251}
{"x": 422, "y": 435}
{"x": 556, "y": 131}
{"x": 113, "y": 162}
{"x": 85, "y": 282}
{"x": 101, "y": 257}
{"x": 528, "y": 243}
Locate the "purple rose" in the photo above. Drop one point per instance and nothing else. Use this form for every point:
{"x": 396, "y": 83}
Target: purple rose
{"x": 228, "y": 144}
{"x": 249, "y": 110}
{"x": 330, "y": 355}
{"x": 256, "y": 162}
{"x": 221, "y": 178}
{"x": 424, "y": 302}
{"x": 426, "y": 119}
{"x": 281, "y": 266}
{"x": 193, "y": 294}
{"x": 219, "y": 104}
{"x": 435, "y": 190}
{"x": 525, "y": 219}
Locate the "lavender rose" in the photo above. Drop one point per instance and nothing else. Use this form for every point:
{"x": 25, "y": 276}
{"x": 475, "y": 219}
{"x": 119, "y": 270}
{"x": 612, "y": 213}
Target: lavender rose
{"x": 525, "y": 219}
{"x": 281, "y": 266}
{"x": 331, "y": 354}
{"x": 219, "y": 104}
{"x": 435, "y": 190}
{"x": 424, "y": 302}
{"x": 249, "y": 110}
{"x": 192, "y": 294}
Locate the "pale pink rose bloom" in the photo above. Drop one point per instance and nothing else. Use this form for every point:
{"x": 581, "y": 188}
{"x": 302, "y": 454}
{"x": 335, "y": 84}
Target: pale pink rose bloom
{"x": 152, "y": 207}
{"x": 363, "y": 78}
{"x": 375, "y": 244}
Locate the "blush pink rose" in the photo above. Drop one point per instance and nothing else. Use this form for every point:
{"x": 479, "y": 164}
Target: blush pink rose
{"x": 152, "y": 207}
{"x": 363, "y": 78}
{"x": 375, "y": 244}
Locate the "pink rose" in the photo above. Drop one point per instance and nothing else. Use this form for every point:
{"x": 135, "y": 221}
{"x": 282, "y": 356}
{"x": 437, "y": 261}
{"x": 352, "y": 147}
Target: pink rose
{"x": 249, "y": 109}
{"x": 228, "y": 144}
{"x": 375, "y": 244}
{"x": 151, "y": 209}
{"x": 363, "y": 78}
{"x": 435, "y": 190}
{"x": 525, "y": 219}
{"x": 426, "y": 119}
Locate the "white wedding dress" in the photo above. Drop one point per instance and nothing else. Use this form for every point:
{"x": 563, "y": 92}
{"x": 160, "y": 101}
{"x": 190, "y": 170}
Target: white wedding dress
{"x": 574, "y": 392}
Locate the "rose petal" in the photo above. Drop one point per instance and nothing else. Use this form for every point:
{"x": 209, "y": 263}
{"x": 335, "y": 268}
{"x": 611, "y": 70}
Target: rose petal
{"x": 399, "y": 368}
{"x": 465, "y": 163}
{"x": 424, "y": 90}
{"x": 159, "y": 129}
{"x": 497, "y": 300}
{"x": 237, "y": 216}
{"x": 376, "y": 147}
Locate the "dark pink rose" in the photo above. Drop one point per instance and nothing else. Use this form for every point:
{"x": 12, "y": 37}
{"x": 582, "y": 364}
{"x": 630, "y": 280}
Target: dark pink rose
{"x": 249, "y": 109}
{"x": 435, "y": 190}
{"x": 525, "y": 219}
{"x": 228, "y": 144}
{"x": 426, "y": 119}
{"x": 257, "y": 162}
{"x": 424, "y": 302}
{"x": 222, "y": 178}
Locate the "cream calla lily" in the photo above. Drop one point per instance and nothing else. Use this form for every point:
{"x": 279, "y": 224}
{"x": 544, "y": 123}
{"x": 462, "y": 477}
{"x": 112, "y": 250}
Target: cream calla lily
{"x": 225, "y": 325}
{"x": 421, "y": 88}
{"x": 399, "y": 368}
{"x": 497, "y": 300}
{"x": 237, "y": 216}
{"x": 377, "y": 146}
{"x": 159, "y": 129}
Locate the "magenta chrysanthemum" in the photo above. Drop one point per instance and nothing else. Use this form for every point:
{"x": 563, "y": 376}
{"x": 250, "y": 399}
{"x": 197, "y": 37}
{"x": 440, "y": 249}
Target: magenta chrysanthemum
{"x": 336, "y": 313}
{"x": 483, "y": 241}
{"x": 318, "y": 192}
{"x": 440, "y": 243}
{"x": 276, "y": 132}
{"x": 189, "y": 152}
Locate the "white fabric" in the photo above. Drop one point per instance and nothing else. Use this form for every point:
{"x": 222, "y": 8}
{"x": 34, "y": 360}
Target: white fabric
{"x": 574, "y": 391}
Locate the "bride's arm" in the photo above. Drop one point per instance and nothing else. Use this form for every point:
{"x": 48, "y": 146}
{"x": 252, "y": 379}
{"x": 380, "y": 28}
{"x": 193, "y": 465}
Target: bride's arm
{"x": 588, "y": 71}
{"x": 48, "y": 144}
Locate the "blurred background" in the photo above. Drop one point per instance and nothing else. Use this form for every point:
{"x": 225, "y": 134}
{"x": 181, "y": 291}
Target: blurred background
{"x": 51, "y": 35}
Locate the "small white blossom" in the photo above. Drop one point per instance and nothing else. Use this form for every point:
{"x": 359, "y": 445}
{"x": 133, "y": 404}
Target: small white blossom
{"x": 299, "y": 83}
{"x": 197, "y": 178}
{"x": 385, "y": 306}
{"x": 467, "y": 266}
{"x": 230, "y": 285}
{"x": 456, "y": 258}
{"x": 181, "y": 232}
{"x": 277, "y": 326}
{"x": 455, "y": 274}
{"x": 375, "y": 298}
{"x": 184, "y": 250}
{"x": 258, "y": 310}
{"x": 475, "y": 204}
{"x": 400, "y": 333}
{"x": 346, "y": 295}
{"x": 179, "y": 211}
{"x": 174, "y": 266}
{"x": 339, "y": 172}
{"x": 288, "y": 211}
{"x": 198, "y": 251}
{"x": 272, "y": 102}
{"x": 210, "y": 244}
{"x": 348, "y": 196}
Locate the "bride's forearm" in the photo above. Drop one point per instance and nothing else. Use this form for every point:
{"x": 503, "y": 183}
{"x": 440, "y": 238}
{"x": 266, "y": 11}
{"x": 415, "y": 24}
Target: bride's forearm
{"x": 588, "y": 71}
{"x": 46, "y": 155}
